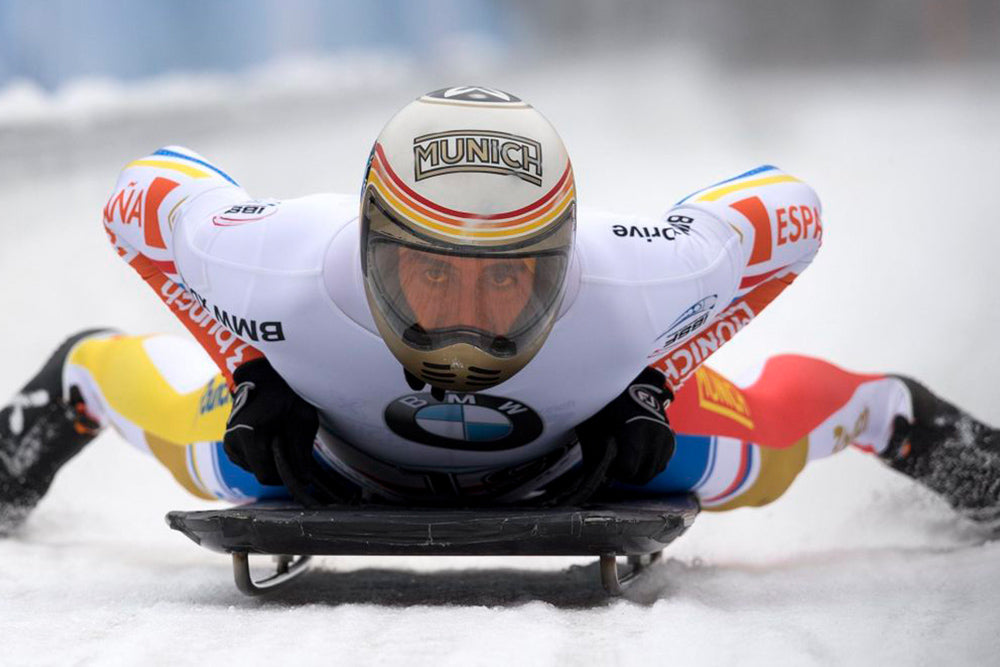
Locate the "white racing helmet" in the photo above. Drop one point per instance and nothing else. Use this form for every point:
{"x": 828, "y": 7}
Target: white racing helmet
{"x": 468, "y": 213}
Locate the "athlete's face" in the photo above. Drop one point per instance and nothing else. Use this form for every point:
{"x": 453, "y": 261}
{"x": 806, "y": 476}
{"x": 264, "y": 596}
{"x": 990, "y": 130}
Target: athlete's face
{"x": 446, "y": 291}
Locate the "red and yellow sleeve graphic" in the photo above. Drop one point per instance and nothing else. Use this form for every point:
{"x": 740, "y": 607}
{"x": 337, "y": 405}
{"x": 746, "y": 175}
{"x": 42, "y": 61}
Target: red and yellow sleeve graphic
{"x": 682, "y": 361}
{"x": 139, "y": 220}
{"x": 777, "y": 218}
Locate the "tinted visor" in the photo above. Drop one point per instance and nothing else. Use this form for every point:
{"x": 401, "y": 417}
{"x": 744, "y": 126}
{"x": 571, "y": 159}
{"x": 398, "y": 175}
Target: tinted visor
{"x": 497, "y": 300}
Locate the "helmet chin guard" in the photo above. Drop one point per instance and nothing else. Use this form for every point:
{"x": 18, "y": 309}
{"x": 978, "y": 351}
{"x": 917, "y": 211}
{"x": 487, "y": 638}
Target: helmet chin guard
{"x": 468, "y": 215}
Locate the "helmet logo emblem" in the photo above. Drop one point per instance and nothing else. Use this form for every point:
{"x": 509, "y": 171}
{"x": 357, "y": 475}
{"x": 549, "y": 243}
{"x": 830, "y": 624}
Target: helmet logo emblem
{"x": 480, "y": 151}
{"x": 475, "y": 94}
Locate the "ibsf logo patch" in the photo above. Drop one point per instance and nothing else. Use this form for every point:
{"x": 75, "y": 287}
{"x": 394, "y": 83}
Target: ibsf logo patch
{"x": 468, "y": 422}
{"x": 478, "y": 151}
{"x": 699, "y": 311}
{"x": 681, "y": 362}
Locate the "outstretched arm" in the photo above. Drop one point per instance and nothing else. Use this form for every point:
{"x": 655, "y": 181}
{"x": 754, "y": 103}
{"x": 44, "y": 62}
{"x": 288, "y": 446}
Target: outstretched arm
{"x": 152, "y": 196}
{"x": 157, "y": 195}
{"x": 774, "y": 226}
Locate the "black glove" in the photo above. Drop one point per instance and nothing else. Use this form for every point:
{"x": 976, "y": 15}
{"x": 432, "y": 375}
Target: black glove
{"x": 636, "y": 424}
{"x": 266, "y": 411}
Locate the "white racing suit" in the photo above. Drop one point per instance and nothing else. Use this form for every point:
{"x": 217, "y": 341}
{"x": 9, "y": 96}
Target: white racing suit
{"x": 282, "y": 279}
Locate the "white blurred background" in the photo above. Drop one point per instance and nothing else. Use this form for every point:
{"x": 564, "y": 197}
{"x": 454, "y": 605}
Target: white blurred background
{"x": 890, "y": 110}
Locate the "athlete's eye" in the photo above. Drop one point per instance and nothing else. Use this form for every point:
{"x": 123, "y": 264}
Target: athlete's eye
{"x": 501, "y": 276}
{"x": 436, "y": 273}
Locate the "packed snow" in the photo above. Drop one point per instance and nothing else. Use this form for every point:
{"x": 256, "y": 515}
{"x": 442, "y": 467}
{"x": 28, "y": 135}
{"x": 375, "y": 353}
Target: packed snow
{"x": 853, "y": 565}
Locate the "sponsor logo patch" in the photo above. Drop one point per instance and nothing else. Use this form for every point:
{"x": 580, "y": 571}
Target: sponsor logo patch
{"x": 679, "y": 363}
{"x": 719, "y": 395}
{"x": 481, "y": 151}
{"x": 268, "y": 331}
{"x": 842, "y": 436}
{"x": 677, "y": 225}
{"x": 240, "y": 214}
{"x": 468, "y": 422}
{"x": 214, "y": 396}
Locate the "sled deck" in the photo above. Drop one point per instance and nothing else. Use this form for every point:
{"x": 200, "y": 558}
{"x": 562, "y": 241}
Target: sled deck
{"x": 636, "y": 529}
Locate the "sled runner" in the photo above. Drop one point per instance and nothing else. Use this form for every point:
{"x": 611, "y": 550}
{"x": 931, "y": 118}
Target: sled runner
{"x": 635, "y": 529}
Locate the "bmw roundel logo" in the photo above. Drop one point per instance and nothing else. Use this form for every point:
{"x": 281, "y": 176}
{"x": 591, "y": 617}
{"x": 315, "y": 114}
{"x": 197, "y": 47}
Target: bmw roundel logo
{"x": 472, "y": 422}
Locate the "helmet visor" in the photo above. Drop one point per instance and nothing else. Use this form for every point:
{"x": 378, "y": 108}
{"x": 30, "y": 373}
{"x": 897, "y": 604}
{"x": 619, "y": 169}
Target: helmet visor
{"x": 432, "y": 298}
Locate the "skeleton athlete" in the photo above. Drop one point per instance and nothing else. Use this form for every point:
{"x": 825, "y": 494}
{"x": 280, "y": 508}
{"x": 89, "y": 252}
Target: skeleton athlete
{"x": 468, "y": 336}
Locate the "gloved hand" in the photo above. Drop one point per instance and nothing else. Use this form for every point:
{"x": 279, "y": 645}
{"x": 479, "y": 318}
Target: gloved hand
{"x": 637, "y": 425}
{"x": 266, "y": 410}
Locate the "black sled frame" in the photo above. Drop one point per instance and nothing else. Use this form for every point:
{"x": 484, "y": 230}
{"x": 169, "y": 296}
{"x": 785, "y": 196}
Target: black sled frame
{"x": 635, "y": 529}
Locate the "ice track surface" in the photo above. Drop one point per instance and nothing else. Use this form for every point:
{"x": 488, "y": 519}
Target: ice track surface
{"x": 854, "y": 565}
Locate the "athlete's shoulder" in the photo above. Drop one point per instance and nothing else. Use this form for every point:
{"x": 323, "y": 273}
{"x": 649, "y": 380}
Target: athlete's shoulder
{"x": 630, "y": 249}
{"x": 267, "y": 234}
{"x": 298, "y": 220}
{"x": 325, "y": 212}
